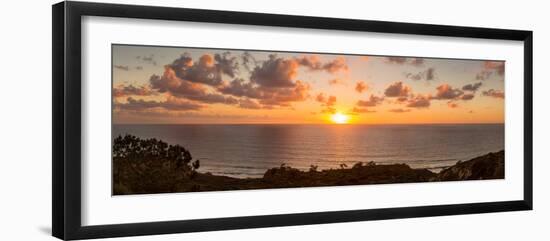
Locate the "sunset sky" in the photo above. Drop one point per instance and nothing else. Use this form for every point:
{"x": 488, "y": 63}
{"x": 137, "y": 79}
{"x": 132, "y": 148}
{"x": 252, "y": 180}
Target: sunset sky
{"x": 193, "y": 85}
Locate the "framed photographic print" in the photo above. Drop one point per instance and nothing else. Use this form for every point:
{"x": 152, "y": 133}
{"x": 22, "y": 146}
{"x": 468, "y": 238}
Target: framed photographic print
{"x": 170, "y": 120}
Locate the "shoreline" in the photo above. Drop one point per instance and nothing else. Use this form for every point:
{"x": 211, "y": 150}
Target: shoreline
{"x": 484, "y": 167}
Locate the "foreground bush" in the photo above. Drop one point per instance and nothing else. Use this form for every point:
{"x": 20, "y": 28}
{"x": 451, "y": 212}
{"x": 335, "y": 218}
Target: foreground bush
{"x": 149, "y": 165}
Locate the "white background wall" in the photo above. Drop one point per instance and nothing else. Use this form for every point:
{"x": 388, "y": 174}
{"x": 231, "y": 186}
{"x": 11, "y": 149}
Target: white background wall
{"x": 25, "y": 119}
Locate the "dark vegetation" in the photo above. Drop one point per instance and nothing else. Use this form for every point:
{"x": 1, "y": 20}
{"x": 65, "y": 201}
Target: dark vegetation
{"x": 152, "y": 166}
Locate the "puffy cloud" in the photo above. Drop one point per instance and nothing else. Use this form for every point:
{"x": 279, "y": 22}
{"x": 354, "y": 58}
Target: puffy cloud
{"x": 128, "y": 90}
{"x": 494, "y": 93}
{"x": 284, "y": 96}
{"x": 338, "y": 64}
{"x": 446, "y": 92}
{"x": 240, "y": 88}
{"x": 397, "y": 89}
{"x": 122, "y": 67}
{"x": 207, "y": 70}
{"x": 169, "y": 82}
{"x": 327, "y": 101}
{"x": 399, "y": 110}
{"x": 171, "y": 103}
{"x": 329, "y": 110}
{"x": 472, "y": 87}
{"x": 275, "y": 73}
{"x": 361, "y": 87}
{"x": 419, "y": 101}
{"x": 372, "y": 101}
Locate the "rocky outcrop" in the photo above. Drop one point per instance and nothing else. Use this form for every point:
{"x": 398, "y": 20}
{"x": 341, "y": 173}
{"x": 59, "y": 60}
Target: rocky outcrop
{"x": 490, "y": 166}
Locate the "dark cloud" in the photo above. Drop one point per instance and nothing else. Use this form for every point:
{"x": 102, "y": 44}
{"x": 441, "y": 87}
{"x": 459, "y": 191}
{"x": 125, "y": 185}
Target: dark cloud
{"x": 207, "y": 70}
{"x": 494, "y": 93}
{"x": 171, "y": 83}
{"x": 467, "y": 96}
{"x": 171, "y": 103}
{"x": 428, "y": 75}
{"x": 361, "y": 87}
{"x": 397, "y": 89}
{"x": 122, "y": 67}
{"x": 148, "y": 59}
{"x": 446, "y": 92}
{"x": 405, "y": 60}
{"x": 372, "y": 101}
{"x": 275, "y": 73}
{"x": 129, "y": 90}
{"x": 313, "y": 62}
{"x": 399, "y": 110}
{"x": 472, "y": 87}
{"x": 419, "y": 101}
{"x": 240, "y": 88}
{"x": 248, "y": 61}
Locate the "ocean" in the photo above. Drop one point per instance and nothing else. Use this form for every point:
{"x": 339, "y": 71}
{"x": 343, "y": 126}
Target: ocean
{"x": 248, "y": 150}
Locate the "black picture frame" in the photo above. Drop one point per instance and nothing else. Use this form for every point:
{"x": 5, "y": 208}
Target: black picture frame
{"x": 66, "y": 128}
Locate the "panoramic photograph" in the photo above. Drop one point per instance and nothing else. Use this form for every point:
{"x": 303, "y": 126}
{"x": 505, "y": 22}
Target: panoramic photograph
{"x": 187, "y": 119}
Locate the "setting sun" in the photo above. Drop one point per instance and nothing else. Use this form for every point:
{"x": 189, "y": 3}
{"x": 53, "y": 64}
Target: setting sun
{"x": 339, "y": 118}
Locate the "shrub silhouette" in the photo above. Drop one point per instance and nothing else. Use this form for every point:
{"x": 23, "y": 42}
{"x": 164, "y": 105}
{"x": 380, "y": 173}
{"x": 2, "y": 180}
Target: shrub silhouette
{"x": 150, "y": 165}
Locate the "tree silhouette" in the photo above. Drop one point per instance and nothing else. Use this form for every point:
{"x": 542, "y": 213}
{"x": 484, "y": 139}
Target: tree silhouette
{"x": 149, "y": 165}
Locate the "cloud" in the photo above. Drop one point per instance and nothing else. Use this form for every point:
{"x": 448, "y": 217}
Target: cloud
{"x": 397, "y": 89}
{"x": 128, "y": 90}
{"x": 419, "y": 101}
{"x": 446, "y": 92}
{"x": 171, "y": 83}
{"x": 472, "y": 87}
{"x": 275, "y": 73}
{"x": 249, "y": 104}
{"x": 171, "y": 103}
{"x": 148, "y": 59}
{"x": 122, "y": 67}
{"x": 362, "y": 110}
{"x": 467, "y": 96}
{"x": 240, "y": 88}
{"x": 404, "y": 60}
{"x": 207, "y": 70}
{"x": 452, "y": 104}
{"x": 313, "y": 62}
{"x": 428, "y": 75}
{"x": 327, "y": 101}
{"x": 494, "y": 93}
{"x": 139, "y": 67}
{"x": 336, "y": 81}
{"x": 399, "y": 110}
{"x": 489, "y": 68}
{"x": 361, "y": 87}
{"x": 372, "y": 101}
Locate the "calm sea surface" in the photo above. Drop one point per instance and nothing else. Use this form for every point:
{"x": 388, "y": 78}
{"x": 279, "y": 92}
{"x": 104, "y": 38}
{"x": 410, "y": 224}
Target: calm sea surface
{"x": 249, "y": 150}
